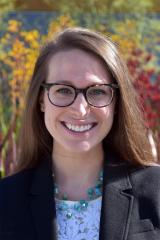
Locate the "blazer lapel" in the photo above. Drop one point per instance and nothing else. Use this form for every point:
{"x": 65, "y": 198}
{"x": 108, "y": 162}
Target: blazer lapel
{"x": 117, "y": 200}
{"x": 42, "y": 203}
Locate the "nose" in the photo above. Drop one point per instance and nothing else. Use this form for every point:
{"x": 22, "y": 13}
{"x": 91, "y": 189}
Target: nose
{"x": 80, "y": 107}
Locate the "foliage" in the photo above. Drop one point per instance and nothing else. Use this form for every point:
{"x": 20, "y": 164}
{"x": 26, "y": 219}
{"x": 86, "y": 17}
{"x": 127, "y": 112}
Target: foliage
{"x": 130, "y": 6}
{"x": 6, "y": 5}
{"x": 18, "y": 51}
{"x": 147, "y": 83}
{"x": 58, "y": 25}
{"x": 83, "y": 6}
{"x": 90, "y": 6}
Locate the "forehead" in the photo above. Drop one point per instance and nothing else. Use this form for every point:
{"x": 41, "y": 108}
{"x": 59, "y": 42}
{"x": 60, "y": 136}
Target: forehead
{"x": 77, "y": 66}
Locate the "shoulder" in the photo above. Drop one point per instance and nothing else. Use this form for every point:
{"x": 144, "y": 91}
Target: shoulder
{"x": 14, "y": 192}
{"x": 146, "y": 180}
{"x": 15, "y": 183}
{"x": 150, "y": 174}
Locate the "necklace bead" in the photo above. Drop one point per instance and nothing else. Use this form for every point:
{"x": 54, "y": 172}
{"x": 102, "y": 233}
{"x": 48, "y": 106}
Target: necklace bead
{"x": 81, "y": 205}
{"x": 69, "y": 215}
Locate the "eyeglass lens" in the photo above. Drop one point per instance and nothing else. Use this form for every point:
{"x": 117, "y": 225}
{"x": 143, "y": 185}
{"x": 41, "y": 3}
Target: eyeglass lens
{"x": 62, "y": 95}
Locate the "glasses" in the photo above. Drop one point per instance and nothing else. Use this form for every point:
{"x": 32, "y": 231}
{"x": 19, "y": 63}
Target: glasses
{"x": 63, "y": 95}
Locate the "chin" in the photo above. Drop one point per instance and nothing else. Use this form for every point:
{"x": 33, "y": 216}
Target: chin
{"x": 79, "y": 147}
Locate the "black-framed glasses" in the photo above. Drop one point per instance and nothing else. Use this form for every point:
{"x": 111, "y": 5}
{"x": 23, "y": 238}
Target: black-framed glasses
{"x": 63, "y": 95}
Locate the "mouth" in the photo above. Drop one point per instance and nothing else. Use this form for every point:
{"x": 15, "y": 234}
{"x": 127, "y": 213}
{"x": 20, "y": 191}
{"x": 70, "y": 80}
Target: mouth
{"x": 79, "y": 128}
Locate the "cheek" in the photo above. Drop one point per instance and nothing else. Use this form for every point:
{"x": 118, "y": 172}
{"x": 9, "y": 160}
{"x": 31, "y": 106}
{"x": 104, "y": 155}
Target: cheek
{"x": 49, "y": 117}
{"x": 107, "y": 123}
{"x": 52, "y": 118}
{"x": 48, "y": 122}
{"x": 107, "y": 114}
{"x": 106, "y": 118}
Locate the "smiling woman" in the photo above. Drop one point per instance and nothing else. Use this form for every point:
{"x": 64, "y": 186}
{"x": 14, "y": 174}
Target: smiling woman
{"x": 85, "y": 168}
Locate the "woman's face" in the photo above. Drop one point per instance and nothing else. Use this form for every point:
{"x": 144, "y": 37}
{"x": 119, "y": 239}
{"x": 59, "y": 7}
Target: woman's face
{"x": 79, "y": 69}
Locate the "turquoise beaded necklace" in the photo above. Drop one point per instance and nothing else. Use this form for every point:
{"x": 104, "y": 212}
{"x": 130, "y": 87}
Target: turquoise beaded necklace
{"x": 81, "y": 205}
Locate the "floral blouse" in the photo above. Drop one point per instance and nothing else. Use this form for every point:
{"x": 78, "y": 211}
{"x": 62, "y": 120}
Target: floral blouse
{"x": 78, "y": 225}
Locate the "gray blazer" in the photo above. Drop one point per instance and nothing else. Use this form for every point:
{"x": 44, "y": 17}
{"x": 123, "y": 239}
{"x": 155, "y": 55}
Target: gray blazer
{"x": 130, "y": 203}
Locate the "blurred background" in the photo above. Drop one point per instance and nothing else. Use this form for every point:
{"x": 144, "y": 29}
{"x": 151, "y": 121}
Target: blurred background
{"x": 25, "y": 25}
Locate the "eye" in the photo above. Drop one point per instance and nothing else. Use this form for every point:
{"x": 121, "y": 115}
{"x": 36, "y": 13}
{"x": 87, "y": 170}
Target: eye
{"x": 64, "y": 91}
{"x": 97, "y": 92}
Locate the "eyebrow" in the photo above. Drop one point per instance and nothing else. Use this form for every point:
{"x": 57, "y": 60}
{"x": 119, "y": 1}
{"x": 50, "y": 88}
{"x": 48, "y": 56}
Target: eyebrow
{"x": 73, "y": 84}
{"x": 65, "y": 82}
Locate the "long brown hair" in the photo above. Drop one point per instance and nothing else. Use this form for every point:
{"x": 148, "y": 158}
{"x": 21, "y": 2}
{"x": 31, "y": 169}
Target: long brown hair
{"x": 128, "y": 136}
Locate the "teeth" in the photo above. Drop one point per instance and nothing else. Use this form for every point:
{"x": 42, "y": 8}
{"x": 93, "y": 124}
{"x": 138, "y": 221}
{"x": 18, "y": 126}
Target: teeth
{"x": 78, "y": 128}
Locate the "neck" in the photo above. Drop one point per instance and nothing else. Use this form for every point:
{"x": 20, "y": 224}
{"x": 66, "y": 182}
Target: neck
{"x": 76, "y": 170}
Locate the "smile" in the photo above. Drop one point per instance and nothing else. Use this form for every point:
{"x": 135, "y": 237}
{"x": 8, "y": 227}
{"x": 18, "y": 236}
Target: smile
{"x": 78, "y": 128}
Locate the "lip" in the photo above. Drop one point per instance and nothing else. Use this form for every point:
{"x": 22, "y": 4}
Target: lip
{"x": 78, "y": 123}
{"x": 79, "y": 133}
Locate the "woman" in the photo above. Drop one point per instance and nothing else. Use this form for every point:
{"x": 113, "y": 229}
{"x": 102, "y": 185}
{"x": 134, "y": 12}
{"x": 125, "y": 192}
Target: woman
{"x": 86, "y": 169}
